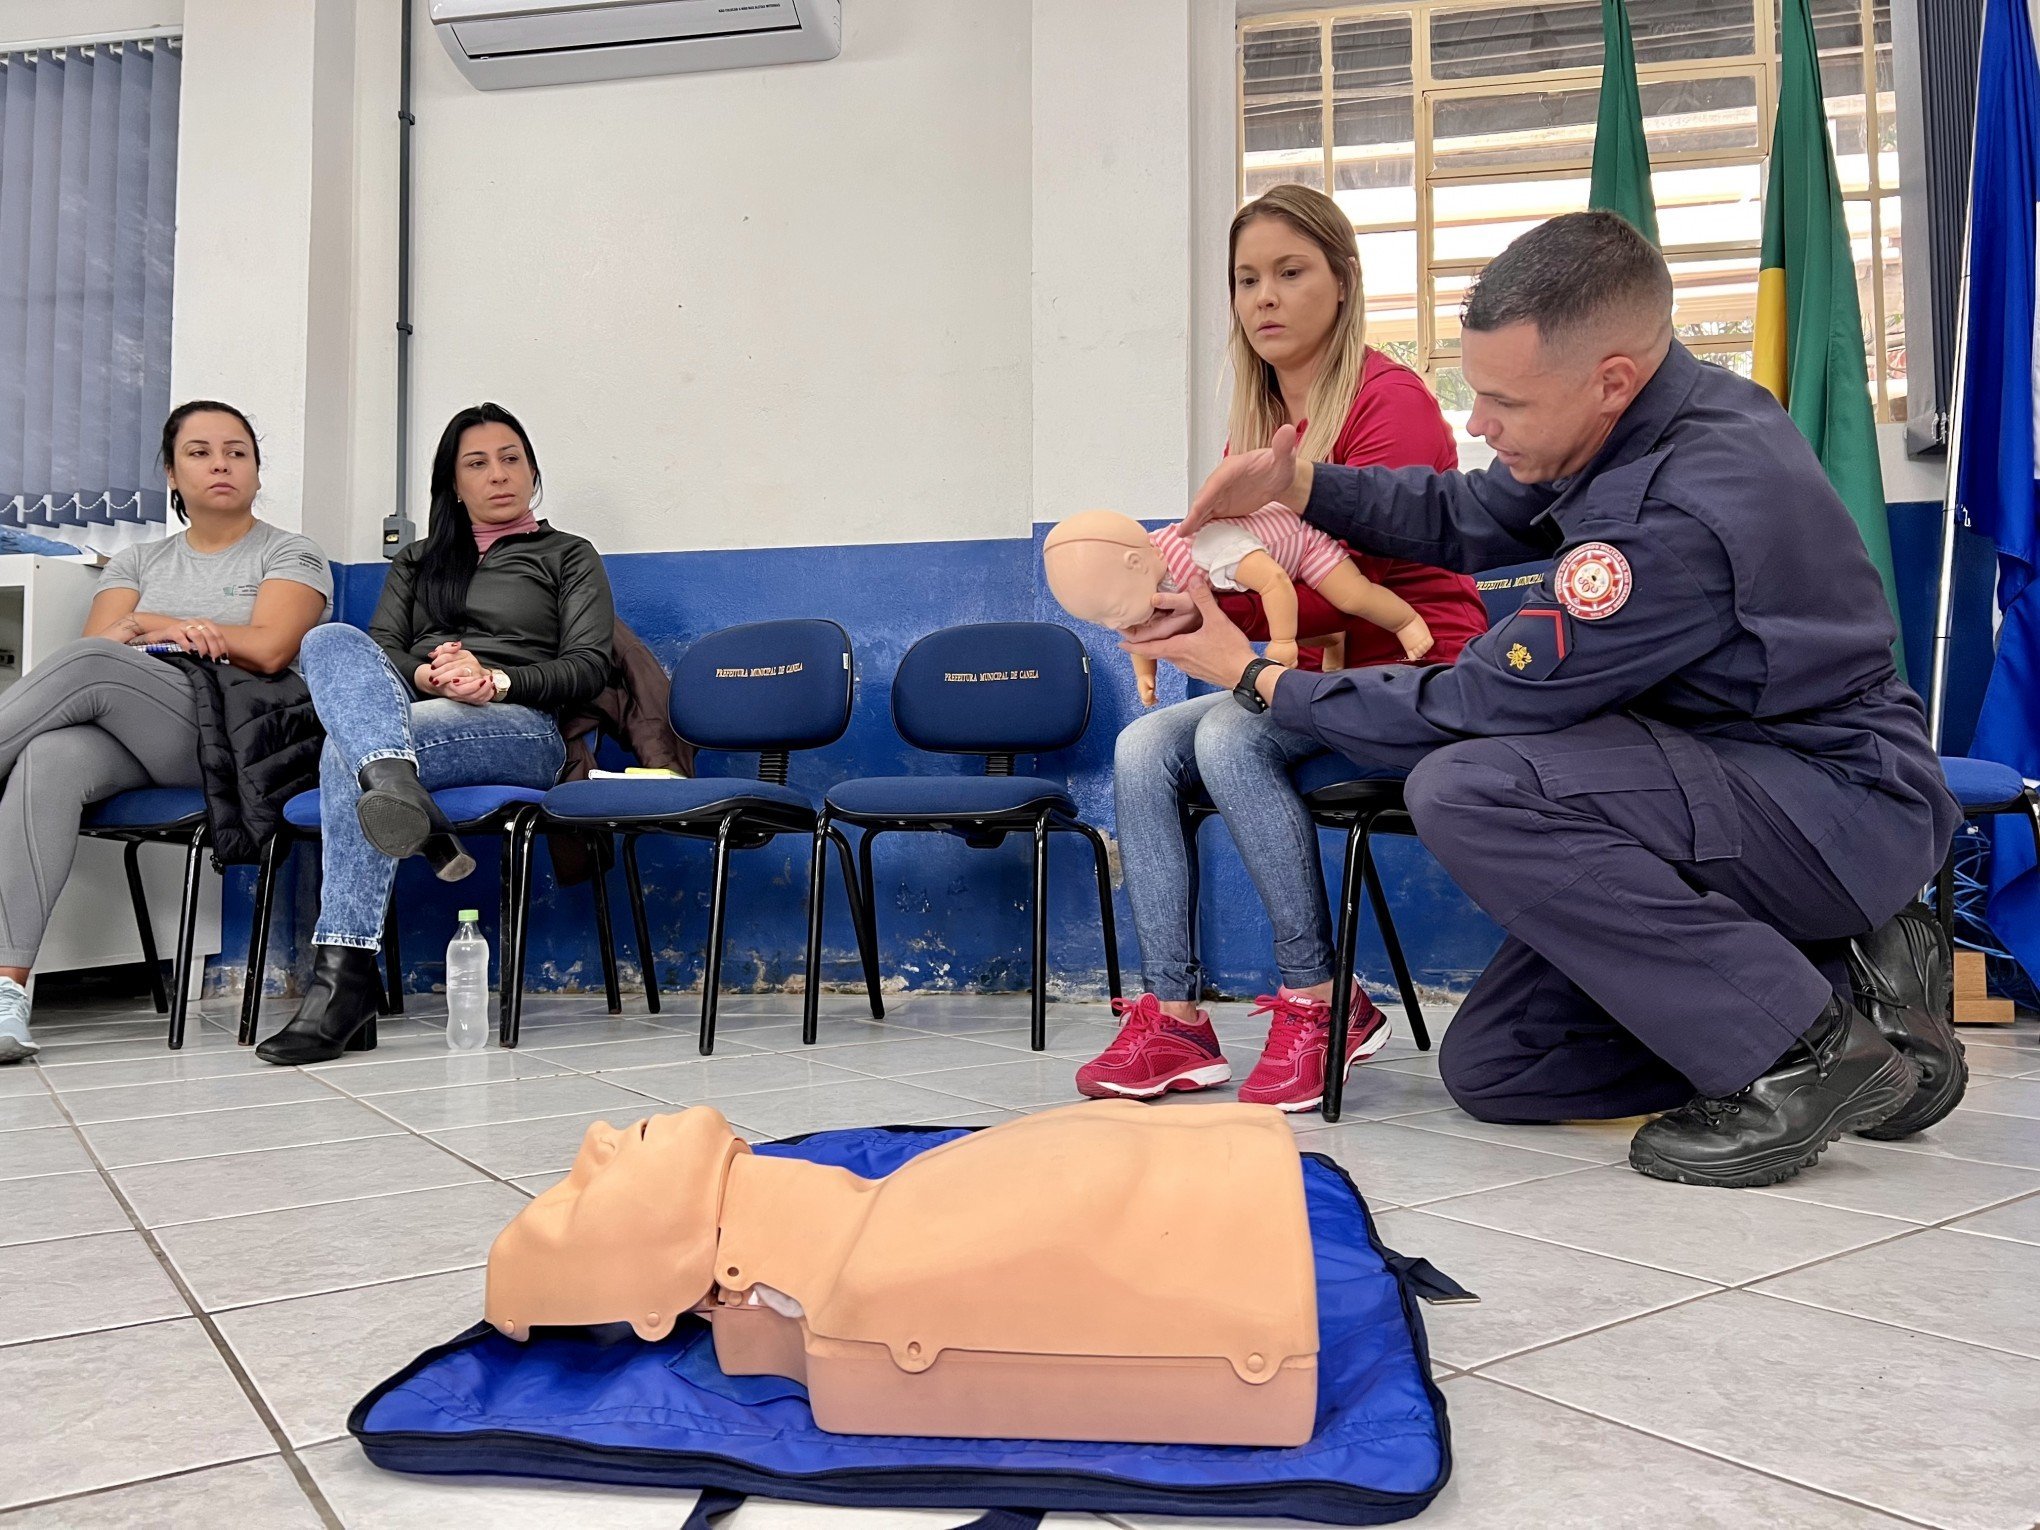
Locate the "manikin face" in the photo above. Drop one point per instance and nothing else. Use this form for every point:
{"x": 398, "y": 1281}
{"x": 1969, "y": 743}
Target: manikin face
{"x": 213, "y": 464}
{"x": 1545, "y": 414}
{"x": 628, "y": 1236}
{"x": 1285, "y": 296}
{"x": 492, "y": 474}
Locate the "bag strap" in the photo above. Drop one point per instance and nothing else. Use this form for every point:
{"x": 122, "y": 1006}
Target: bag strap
{"x": 714, "y": 1503}
{"x": 1427, "y": 1280}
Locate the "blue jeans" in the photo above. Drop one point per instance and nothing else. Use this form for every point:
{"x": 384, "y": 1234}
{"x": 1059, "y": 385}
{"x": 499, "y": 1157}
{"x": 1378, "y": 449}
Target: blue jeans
{"x": 1242, "y": 760}
{"x": 369, "y": 715}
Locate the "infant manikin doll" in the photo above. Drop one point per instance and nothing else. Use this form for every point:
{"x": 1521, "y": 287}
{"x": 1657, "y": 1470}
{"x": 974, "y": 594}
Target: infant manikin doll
{"x": 1105, "y": 567}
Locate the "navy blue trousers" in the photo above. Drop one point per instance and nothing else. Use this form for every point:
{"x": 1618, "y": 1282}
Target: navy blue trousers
{"x": 1670, "y": 932}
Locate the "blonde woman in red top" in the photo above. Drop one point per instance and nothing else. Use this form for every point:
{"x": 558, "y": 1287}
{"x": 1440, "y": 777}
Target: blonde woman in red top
{"x": 1299, "y": 354}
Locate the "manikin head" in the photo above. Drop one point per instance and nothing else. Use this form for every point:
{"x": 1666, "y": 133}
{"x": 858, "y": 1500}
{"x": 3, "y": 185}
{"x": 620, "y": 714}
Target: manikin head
{"x": 1102, "y": 568}
{"x": 629, "y": 1236}
{"x": 1559, "y": 335}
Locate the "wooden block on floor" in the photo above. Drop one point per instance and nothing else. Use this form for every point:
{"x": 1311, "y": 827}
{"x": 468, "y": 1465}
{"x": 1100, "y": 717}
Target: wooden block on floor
{"x": 1973, "y": 1003}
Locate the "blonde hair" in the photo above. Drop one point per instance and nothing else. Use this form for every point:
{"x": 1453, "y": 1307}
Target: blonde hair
{"x": 1257, "y": 408}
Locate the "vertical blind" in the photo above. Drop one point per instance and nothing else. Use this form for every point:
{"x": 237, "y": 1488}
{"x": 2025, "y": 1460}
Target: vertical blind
{"x": 88, "y": 179}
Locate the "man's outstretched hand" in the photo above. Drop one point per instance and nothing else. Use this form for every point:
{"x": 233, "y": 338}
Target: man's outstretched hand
{"x": 1243, "y": 483}
{"x": 1214, "y": 650}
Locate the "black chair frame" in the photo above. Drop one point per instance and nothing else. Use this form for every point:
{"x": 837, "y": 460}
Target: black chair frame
{"x": 2027, "y": 803}
{"x": 510, "y": 824}
{"x": 729, "y": 827}
{"x": 1360, "y": 808}
{"x": 192, "y": 835}
{"x": 980, "y": 831}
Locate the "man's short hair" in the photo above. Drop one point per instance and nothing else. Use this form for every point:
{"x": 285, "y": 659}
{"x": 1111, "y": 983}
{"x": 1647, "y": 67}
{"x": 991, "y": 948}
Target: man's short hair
{"x": 1576, "y": 276}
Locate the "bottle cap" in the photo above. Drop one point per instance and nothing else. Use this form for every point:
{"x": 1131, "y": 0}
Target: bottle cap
{"x": 470, "y": 916}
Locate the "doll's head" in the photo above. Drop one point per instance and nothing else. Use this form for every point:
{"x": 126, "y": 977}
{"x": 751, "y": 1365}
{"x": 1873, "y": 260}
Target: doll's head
{"x": 1102, "y": 568}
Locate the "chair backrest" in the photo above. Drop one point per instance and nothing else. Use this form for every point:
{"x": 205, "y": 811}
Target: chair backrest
{"x": 768, "y": 686}
{"x": 994, "y": 688}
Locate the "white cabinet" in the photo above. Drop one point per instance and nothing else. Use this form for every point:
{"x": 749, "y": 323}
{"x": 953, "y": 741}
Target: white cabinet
{"x": 43, "y": 602}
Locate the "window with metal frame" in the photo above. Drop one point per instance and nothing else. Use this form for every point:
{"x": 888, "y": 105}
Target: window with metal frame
{"x": 1444, "y": 128}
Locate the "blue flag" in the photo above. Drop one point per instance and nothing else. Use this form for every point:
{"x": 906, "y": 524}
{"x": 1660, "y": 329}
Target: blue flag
{"x": 1995, "y": 482}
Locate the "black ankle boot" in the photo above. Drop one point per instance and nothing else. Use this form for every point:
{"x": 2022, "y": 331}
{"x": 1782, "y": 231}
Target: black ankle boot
{"x": 1841, "y": 1076}
{"x": 337, "y": 1013}
{"x": 399, "y": 818}
{"x": 1904, "y": 977}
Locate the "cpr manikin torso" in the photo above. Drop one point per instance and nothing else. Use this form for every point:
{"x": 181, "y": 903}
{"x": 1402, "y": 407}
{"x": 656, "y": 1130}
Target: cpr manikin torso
{"x": 1107, "y": 1271}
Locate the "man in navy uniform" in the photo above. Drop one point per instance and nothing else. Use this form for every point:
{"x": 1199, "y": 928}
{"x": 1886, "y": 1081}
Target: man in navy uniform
{"x": 1685, "y": 777}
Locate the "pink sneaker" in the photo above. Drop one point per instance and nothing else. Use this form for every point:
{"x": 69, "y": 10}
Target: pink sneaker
{"x": 1291, "y": 1073}
{"x": 1154, "y": 1054}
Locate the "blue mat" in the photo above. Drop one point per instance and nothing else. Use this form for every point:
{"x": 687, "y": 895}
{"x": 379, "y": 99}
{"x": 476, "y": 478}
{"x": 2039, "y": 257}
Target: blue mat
{"x": 601, "y": 1405}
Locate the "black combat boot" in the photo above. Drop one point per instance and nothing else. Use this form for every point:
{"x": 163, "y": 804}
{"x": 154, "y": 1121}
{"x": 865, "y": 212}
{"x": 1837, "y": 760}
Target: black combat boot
{"x": 337, "y": 1013}
{"x": 1903, "y": 974}
{"x": 1841, "y": 1076}
{"x": 400, "y": 818}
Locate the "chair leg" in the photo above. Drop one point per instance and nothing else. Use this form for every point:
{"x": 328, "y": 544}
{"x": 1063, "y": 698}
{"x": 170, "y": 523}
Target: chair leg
{"x": 865, "y": 918}
{"x": 2032, "y": 802}
{"x": 867, "y": 881}
{"x": 274, "y": 854}
{"x": 393, "y": 959}
{"x": 1105, "y": 915}
{"x": 1378, "y": 896}
{"x": 1944, "y": 895}
{"x": 811, "y": 970}
{"x": 187, "y": 937}
{"x": 522, "y": 844}
{"x": 131, "y": 856}
{"x": 1346, "y": 937}
{"x": 647, "y": 957}
{"x": 612, "y": 984}
{"x": 1038, "y": 1034}
{"x": 718, "y": 898}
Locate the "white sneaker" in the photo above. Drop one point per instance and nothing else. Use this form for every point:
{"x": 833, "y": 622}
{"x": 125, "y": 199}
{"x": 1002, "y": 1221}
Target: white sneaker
{"x": 16, "y": 1044}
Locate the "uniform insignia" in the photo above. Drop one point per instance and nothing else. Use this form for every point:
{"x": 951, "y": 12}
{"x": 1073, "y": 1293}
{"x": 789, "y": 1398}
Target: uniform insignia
{"x": 1592, "y": 581}
{"x": 1536, "y": 641}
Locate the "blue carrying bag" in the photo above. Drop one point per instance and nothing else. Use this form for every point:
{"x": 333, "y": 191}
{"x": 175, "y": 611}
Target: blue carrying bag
{"x": 601, "y": 1405}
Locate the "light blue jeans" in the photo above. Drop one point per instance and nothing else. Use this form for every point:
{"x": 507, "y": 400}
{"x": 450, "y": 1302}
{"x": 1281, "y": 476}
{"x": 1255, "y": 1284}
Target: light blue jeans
{"x": 369, "y": 715}
{"x": 1242, "y": 760}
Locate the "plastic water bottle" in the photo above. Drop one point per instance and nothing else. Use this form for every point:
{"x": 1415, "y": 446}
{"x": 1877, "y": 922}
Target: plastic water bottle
{"x": 467, "y": 985}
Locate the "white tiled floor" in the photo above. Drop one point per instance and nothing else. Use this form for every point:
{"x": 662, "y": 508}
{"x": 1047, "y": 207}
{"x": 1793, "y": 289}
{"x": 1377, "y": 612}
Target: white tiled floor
{"x": 205, "y": 1261}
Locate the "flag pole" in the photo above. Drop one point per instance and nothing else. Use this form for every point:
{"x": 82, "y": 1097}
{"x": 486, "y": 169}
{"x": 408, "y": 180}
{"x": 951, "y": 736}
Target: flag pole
{"x": 1951, "y": 505}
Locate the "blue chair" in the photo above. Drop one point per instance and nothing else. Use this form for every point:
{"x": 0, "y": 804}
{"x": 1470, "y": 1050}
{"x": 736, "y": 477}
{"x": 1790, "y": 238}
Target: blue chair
{"x": 159, "y": 815}
{"x": 1985, "y": 789}
{"x": 996, "y": 689}
{"x": 766, "y": 687}
{"x": 474, "y": 811}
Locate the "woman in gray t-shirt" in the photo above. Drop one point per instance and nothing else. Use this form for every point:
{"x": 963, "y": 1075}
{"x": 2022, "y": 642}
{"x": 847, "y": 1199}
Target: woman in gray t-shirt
{"x": 100, "y": 716}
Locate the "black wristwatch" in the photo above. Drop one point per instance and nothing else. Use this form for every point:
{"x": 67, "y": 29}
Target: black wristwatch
{"x": 1245, "y": 693}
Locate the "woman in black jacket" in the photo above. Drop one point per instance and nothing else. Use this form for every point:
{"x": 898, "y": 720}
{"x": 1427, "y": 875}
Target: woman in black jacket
{"x": 487, "y": 630}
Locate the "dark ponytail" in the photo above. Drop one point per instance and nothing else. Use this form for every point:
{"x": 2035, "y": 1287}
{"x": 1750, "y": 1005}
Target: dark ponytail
{"x": 175, "y": 423}
{"x": 447, "y": 566}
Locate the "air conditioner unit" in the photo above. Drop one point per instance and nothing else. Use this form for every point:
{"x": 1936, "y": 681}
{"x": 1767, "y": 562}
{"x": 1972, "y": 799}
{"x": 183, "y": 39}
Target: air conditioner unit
{"x": 501, "y": 44}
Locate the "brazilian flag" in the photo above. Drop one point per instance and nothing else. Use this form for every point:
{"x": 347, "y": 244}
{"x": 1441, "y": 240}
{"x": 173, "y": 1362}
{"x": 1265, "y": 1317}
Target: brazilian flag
{"x": 1621, "y": 181}
{"x": 1809, "y": 349}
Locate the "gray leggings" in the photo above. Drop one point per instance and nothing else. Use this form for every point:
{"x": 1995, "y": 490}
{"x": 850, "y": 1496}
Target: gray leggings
{"x": 93, "y": 720}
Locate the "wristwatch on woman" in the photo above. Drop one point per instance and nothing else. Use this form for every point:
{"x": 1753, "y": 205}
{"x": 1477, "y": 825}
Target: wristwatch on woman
{"x": 502, "y": 681}
{"x": 1246, "y": 693}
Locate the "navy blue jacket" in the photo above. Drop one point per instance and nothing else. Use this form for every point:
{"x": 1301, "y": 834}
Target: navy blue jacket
{"x": 1755, "y": 632}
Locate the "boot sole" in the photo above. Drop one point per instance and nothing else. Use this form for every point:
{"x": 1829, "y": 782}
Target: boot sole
{"x": 1912, "y": 1118}
{"x": 394, "y": 824}
{"x": 1888, "y": 1092}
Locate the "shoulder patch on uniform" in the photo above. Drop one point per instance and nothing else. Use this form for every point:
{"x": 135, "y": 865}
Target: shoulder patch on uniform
{"x": 1592, "y": 581}
{"x": 1534, "y": 642}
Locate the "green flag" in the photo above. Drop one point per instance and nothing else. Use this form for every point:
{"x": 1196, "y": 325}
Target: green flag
{"x": 1809, "y": 344}
{"x": 1621, "y": 157}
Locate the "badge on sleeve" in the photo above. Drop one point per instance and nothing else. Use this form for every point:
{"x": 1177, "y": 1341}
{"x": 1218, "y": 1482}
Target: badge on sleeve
{"x": 1535, "y": 642}
{"x": 1592, "y": 581}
